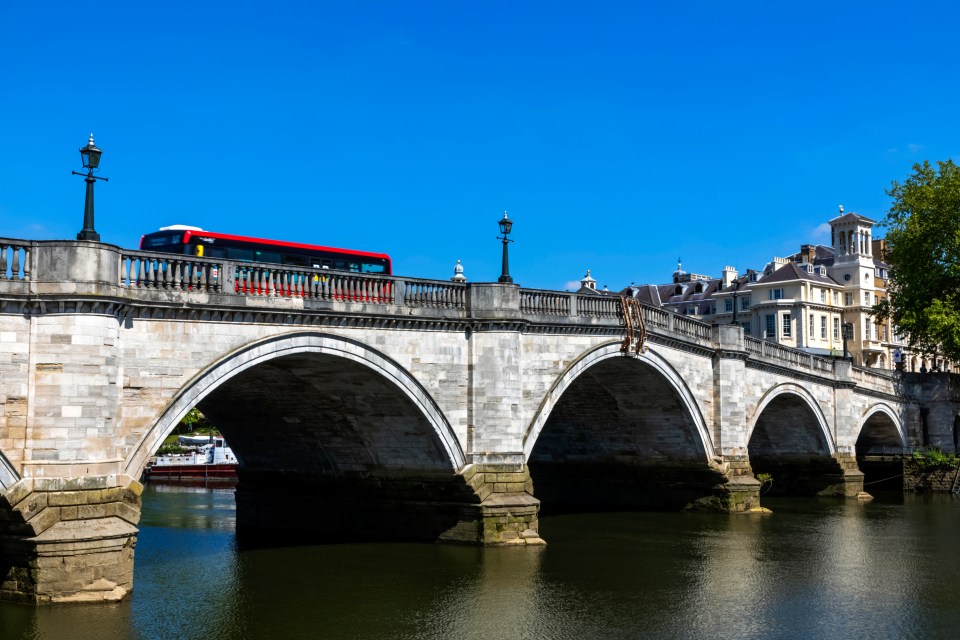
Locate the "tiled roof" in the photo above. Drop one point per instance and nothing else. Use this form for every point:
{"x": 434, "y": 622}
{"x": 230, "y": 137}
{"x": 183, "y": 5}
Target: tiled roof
{"x": 852, "y": 217}
{"x": 792, "y": 271}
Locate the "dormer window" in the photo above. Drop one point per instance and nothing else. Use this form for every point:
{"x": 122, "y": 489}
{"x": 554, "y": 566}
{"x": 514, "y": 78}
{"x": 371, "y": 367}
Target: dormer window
{"x": 809, "y": 268}
{"x": 822, "y": 271}
{"x": 699, "y": 288}
{"x": 678, "y": 291}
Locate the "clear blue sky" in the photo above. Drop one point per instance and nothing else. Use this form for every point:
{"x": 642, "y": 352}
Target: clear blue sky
{"x": 619, "y": 136}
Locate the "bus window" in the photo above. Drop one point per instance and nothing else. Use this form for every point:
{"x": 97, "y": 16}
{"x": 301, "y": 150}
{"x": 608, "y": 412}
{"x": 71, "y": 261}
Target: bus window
{"x": 372, "y": 268}
{"x": 298, "y": 261}
{"x": 214, "y": 252}
{"x": 150, "y": 242}
{"x": 240, "y": 254}
{"x": 268, "y": 256}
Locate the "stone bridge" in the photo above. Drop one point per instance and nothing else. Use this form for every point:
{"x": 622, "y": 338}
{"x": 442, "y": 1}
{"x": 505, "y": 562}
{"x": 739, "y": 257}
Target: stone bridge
{"x": 388, "y": 407}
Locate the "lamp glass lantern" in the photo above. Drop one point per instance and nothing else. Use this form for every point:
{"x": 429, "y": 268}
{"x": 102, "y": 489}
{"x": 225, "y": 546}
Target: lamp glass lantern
{"x": 505, "y": 224}
{"x": 90, "y": 155}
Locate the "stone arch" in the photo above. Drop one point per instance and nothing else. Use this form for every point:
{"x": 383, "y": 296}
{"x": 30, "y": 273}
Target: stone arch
{"x": 618, "y": 433}
{"x": 8, "y": 474}
{"x": 789, "y": 388}
{"x": 250, "y": 355}
{"x": 885, "y": 411}
{"x": 605, "y": 352}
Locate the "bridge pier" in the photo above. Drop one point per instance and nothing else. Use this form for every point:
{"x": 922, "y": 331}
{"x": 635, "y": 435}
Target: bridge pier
{"x": 68, "y": 539}
{"x": 810, "y": 474}
{"x": 484, "y": 504}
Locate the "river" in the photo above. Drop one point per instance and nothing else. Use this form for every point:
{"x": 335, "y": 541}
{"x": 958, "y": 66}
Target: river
{"x": 816, "y": 568}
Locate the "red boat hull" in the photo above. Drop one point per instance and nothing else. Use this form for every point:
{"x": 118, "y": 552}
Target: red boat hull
{"x": 192, "y": 471}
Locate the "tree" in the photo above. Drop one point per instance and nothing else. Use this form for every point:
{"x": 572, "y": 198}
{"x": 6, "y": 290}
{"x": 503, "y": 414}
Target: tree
{"x": 923, "y": 249}
{"x": 194, "y": 421}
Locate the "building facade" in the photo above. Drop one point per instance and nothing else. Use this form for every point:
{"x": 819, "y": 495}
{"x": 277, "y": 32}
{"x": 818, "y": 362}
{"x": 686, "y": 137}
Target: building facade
{"x": 820, "y": 299}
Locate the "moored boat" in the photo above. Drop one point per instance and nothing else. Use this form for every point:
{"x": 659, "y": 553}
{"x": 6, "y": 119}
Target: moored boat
{"x": 211, "y": 459}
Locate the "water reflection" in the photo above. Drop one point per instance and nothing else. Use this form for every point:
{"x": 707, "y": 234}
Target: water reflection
{"x": 814, "y": 569}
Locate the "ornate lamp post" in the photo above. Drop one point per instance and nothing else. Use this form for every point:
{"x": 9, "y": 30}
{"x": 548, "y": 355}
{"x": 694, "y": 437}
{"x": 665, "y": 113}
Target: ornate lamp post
{"x": 736, "y": 288}
{"x": 847, "y": 335}
{"x": 90, "y": 156}
{"x": 505, "y": 225}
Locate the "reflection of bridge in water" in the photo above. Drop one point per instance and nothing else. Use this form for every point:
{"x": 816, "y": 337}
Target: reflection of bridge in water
{"x": 384, "y": 406}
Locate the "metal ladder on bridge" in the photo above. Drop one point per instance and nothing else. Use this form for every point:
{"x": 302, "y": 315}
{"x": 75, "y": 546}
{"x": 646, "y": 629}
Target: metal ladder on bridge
{"x": 956, "y": 481}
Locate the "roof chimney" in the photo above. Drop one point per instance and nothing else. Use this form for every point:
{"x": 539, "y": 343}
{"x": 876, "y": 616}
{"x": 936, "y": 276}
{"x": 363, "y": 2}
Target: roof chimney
{"x": 729, "y": 275}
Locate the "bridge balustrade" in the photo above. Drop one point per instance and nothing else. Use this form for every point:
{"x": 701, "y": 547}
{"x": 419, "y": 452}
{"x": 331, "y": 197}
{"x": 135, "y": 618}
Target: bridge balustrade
{"x": 658, "y": 318}
{"x": 435, "y": 294}
{"x": 548, "y": 303}
{"x": 795, "y": 357}
{"x": 145, "y": 270}
{"x": 162, "y": 271}
{"x": 692, "y": 328}
{"x": 15, "y": 259}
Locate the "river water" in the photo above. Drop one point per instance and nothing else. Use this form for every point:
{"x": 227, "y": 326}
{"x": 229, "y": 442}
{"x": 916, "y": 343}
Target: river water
{"x": 816, "y": 568}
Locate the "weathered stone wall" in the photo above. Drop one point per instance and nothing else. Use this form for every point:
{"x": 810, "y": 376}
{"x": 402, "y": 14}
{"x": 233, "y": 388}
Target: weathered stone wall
{"x": 68, "y": 539}
{"x": 925, "y": 479}
{"x": 14, "y": 394}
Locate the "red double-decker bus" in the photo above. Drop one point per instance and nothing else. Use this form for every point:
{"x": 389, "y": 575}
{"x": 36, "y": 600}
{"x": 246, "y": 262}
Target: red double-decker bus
{"x": 193, "y": 241}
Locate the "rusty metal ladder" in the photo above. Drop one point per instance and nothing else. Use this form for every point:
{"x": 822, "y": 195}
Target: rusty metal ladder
{"x": 956, "y": 481}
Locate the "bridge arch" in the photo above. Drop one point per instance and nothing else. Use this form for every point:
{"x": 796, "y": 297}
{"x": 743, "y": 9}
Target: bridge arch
{"x": 791, "y": 391}
{"x": 8, "y": 475}
{"x": 293, "y": 344}
{"x": 880, "y": 426}
{"x": 604, "y": 352}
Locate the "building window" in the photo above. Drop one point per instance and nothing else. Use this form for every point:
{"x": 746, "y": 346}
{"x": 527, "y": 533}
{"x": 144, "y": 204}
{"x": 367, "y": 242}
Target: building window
{"x": 810, "y": 333}
{"x": 836, "y": 328}
{"x": 746, "y": 328}
{"x": 866, "y": 298}
{"x": 836, "y": 298}
{"x": 883, "y": 332}
{"x": 866, "y": 325}
{"x": 786, "y": 326}
{"x": 823, "y": 327}
{"x": 771, "y": 327}
{"x": 776, "y": 294}
{"x": 823, "y": 295}
{"x": 713, "y": 308}
{"x": 745, "y": 303}
{"x": 728, "y": 305}
{"x": 848, "y": 299}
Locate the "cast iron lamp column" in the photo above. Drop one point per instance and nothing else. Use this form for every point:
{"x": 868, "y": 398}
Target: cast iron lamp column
{"x": 736, "y": 288}
{"x": 847, "y": 334}
{"x": 505, "y": 225}
{"x": 90, "y": 156}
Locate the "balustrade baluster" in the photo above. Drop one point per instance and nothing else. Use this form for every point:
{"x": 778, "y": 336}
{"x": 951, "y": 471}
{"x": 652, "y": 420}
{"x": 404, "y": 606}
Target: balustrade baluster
{"x": 14, "y": 264}
{"x": 3, "y": 262}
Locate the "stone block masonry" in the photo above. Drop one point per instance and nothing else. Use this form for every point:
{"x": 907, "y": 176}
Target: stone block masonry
{"x": 68, "y": 539}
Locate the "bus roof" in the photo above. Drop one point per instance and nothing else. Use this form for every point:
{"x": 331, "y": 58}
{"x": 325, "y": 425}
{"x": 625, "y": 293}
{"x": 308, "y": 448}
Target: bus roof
{"x": 196, "y": 232}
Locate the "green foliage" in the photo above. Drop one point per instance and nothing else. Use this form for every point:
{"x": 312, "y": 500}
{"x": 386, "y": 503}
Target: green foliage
{"x": 934, "y": 458}
{"x": 766, "y": 481}
{"x": 169, "y": 449}
{"x": 923, "y": 249}
{"x": 193, "y": 422}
